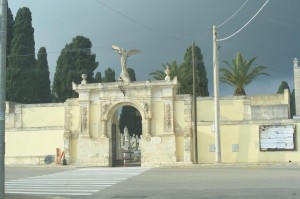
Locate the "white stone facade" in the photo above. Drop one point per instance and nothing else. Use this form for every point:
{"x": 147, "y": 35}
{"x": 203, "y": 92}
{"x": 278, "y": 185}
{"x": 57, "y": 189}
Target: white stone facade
{"x": 155, "y": 102}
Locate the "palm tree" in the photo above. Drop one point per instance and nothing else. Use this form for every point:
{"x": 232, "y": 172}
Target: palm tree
{"x": 239, "y": 74}
{"x": 175, "y": 70}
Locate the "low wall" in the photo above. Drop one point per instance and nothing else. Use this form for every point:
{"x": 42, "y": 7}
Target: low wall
{"x": 240, "y": 143}
{"x": 31, "y": 146}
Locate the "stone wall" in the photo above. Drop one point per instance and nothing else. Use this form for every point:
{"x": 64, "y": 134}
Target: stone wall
{"x": 32, "y": 132}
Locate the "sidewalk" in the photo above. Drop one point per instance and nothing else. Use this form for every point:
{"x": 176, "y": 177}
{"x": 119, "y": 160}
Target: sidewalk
{"x": 18, "y": 196}
{"x": 14, "y": 196}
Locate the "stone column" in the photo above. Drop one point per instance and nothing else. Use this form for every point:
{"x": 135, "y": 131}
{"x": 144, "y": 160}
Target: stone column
{"x": 297, "y": 86}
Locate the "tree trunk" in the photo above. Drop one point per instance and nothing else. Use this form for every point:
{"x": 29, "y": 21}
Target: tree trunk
{"x": 239, "y": 92}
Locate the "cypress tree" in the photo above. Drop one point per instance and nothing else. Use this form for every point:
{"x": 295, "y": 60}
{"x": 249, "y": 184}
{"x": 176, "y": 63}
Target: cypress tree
{"x": 293, "y": 104}
{"x": 131, "y": 74}
{"x": 75, "y": 59}
{"x": 43, "y": 81}
{"x": 109, "y": 75}
{"x": 10, "y": 26}
{"x": 201, "y": 79}
{"x": 21, "y": 70}
{"x": 98, "y": 78}
{"x": 283, "y": 85}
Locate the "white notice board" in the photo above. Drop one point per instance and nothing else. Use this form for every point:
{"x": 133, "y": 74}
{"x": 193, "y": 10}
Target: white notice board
{"x": 277, "y": 137}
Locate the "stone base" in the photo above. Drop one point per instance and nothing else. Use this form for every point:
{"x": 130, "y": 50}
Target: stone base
{"x": 93, "y": 152}
{"x": 158, "y": 153}
{"x": 296, "y": 117}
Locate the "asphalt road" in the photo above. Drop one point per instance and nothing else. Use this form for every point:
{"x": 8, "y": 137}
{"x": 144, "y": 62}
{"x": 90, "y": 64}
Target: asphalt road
{"x": 203, "y": 182}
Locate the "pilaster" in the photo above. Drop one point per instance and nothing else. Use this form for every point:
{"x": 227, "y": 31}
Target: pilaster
{"x": 18, "y": 111}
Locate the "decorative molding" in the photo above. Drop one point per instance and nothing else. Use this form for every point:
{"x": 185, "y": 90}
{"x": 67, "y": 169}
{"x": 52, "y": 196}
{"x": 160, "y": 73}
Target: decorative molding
{"x": 168, "y": 115}
{"x": 146, "y": 107}
{"x": 105, "y": 107}
{"x": 84, "y": 118}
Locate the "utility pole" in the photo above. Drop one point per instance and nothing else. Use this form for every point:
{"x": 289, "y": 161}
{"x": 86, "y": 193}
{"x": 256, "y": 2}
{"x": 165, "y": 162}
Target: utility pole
{"x": 216, "y": 98}
{"x": 195, "y": 103}
{"x": 3, "y": 31}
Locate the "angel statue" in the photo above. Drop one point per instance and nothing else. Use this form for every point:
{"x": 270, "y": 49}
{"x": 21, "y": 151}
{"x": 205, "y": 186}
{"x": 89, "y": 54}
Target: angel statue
{"x": 124, "y": 55}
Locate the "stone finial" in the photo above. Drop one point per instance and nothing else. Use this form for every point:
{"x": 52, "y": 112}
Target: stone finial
{"x": 295, "y": 62}
{"x": 84, "y": 76}
{"x": 74, "y": 85}
{"x": 167, "y": 71}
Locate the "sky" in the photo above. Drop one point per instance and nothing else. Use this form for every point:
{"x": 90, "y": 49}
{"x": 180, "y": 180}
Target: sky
{"x": 163, "y": 29}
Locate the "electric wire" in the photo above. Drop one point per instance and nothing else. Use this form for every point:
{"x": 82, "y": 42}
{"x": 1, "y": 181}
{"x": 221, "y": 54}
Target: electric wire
{"x": 245, "y": 24}
{"x": 139, "y": 23}
{"x": 53, "y": 52}
{"x": 232, "y": 15}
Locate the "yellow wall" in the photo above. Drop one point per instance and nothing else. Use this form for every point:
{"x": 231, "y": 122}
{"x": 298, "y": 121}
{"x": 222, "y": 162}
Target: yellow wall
{"x": 179, "y": 116}
{"x": 179, "y": 148}
{"x": 73, "y": 150}
{"x": 247, "y": 136}
{"x": 43, "y": 116}
{"x": 75, "y": 118}
{"x": 33, "y": 143}
{"x": 229, "y": 109}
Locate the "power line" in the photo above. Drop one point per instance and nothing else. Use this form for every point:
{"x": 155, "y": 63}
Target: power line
{"x": 138, "y": 22}
{"x": 245, "y": 24}
{"x": 52, "y": 52}
{"x": 232, "y": 15}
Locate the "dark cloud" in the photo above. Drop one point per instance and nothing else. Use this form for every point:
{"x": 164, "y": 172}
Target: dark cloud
{"x": 163, "y": 29}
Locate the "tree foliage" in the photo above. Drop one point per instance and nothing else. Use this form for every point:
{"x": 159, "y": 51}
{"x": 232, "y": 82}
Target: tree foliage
{"x": 284, "y": 85}
{"x": 21, "y": 71}
{"x": 201, "y": 79}
{"x": 239, "y": 74}
{"x": 184, "y": 73}
{"x": 131, "y": 74}
{"x": 43, "y": 81}
{"x": 98, "y": 77}
{"x": 293, "y": 103}
{"x": 75, "y": 59}
{"x": 175, "y": 71}
{"x": 131, "y": 118}
{"x": 10, "y": 26}
{"x": 109, "y": 75}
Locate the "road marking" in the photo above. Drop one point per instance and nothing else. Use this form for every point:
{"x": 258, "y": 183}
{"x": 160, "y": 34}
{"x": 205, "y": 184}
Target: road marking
{"x": 80, "y": 182}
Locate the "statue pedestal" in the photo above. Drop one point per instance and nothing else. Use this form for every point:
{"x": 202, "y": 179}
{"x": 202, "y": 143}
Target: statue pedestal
{"x": 125, "y": 76}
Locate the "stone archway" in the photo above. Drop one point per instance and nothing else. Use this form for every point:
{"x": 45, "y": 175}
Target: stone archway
{"x": 111, "y": 125}
{"x": 119, "y": 147}
{"x": 139, "y": 105}
{"x": 166, "y": 121}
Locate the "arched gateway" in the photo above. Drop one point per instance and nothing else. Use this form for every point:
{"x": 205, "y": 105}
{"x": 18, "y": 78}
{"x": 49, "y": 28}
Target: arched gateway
{"x": 166, "y": 122}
